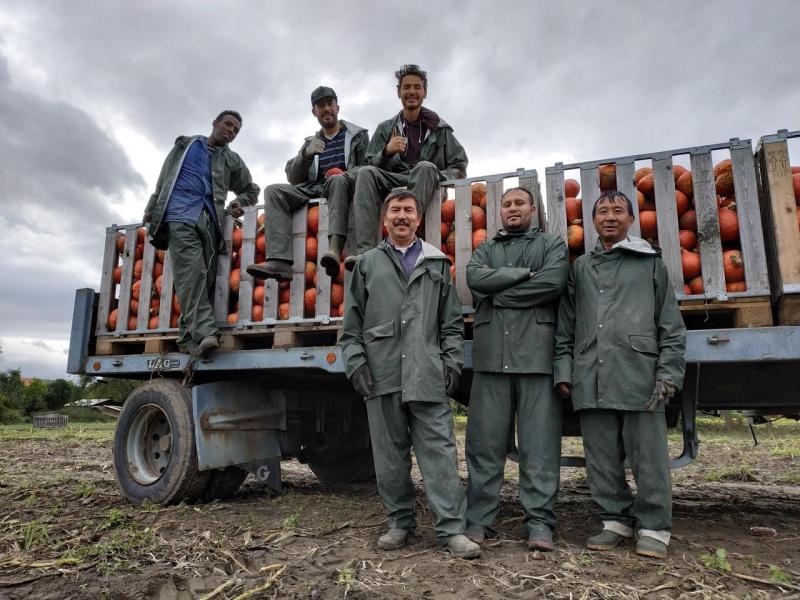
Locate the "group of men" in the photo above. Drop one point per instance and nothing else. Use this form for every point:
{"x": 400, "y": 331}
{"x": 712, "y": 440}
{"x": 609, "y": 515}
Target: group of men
{"x": 605, "y": 332}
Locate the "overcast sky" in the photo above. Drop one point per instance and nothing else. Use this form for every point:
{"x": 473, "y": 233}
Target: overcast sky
{"x": 93, "y": 94}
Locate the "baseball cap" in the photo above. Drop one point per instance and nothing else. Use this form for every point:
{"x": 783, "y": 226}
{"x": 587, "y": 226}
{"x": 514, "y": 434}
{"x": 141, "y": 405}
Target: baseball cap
{"x": 322, "y": 92}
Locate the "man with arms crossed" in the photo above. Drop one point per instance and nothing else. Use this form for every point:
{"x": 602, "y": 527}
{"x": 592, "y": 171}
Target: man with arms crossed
{"x": 619, "y": 355}
{"x": 184, "y": 214}
{"x": 516, "y": 279}
{"x": 415, "y": 148}
{"x": 402, "y": 343}
{"x": 325, "y": 166}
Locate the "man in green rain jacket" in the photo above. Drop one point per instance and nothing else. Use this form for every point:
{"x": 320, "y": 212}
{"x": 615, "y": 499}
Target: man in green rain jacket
{"x": 619, "y": 355}
{"x": 402, "y": 343}
{"x": 414, "y": 149}
{"x": 516, "y": 279}
{"x": 185, "y": 213}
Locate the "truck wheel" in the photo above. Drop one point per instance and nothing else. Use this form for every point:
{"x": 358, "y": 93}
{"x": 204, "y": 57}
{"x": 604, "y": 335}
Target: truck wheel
{"x": 223, "y": 483}
{"x": 155, "y": 457}
{"x": 347, "y": 468}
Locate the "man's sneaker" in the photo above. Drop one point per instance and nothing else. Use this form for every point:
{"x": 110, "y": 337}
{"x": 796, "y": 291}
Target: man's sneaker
{"x": 460, "y": 546}
{"x": 605, "y": 540}
{"x": 477, "y": 533}
{"x": 207, "y": 345}
{"x": 648, "y": 546}
{"x": 330, "y": 262}
{"x": 272, "y": 269}
{"x": 394, "y": 539}
{"x": 542, "y": 540}
{"x": 350, "y": 261}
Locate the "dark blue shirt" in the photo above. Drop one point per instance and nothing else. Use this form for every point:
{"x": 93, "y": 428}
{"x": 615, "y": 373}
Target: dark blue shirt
{"x": 192, "y": 192}
{"x": 333, "y": 156}
{"x": 408, "y": 259}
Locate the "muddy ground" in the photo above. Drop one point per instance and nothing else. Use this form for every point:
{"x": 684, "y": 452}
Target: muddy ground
{"x": 65, "y": 532}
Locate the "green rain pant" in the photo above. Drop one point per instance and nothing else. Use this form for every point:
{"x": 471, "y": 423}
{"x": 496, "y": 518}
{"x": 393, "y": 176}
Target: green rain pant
{"x": 494, "y": 400}
{"x": 611, "y": 436}
{"x": 395, "y": 426}
{"x": 374, "y": 184}
{"x": 281, "y": 200}
{"x": 193, "y": 257}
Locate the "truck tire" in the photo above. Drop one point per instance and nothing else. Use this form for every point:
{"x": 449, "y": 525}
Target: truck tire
{"x": 155, "y": 457}
{"x": 354, "y": 467}
{"x": 223, "y": 483}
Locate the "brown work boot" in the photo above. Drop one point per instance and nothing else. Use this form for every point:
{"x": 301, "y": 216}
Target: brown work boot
{"x": 330, "y": 262}
{"x": 651, "y": 547}
{"x": 394, "y": 539}
{"x": 207, "y": 346}
{"x": 460, "y": 546}
{"x": 542, "y": 540}
{"x": 350, "y": 261}
{"x": 272, "y": 269}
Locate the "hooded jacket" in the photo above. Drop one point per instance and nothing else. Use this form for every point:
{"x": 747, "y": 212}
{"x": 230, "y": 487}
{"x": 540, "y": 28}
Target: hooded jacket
{"x": 302, "y": 170}
{"x": 619, "y": 328}
{"x": 228, "y": 173}
{"x": 439, "y": 147}
{"x": 405, "y": 330}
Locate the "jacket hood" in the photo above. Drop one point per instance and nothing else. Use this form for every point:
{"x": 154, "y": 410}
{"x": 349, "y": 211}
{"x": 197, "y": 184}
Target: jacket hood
{"x": 351, "y": 127}
{"x": 631, "y": 244}
{"x": 431, "y": 119}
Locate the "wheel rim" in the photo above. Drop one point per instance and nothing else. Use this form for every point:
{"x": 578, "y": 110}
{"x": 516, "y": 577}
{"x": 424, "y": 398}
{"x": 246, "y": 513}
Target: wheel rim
{"x": 149, "y": 445}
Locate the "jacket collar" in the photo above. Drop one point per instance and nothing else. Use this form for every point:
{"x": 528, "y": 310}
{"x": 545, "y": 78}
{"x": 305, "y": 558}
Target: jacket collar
{"x": 630, "y": 245}
{"x": 502, "y": 234}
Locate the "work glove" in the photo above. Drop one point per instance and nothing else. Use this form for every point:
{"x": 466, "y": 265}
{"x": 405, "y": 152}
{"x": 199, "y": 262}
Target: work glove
{"x": 362, "y": 381}
{"x": 450, "y": 381}
{"x": 564, "y": 389}
{"x": 235, "y": 208}
{"x": 315, "y": 146}
{"x": 662, "y": 392}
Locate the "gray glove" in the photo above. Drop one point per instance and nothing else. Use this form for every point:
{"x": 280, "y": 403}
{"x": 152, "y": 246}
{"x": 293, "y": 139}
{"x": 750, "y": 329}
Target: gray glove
{"x": 235, "y": 208}
{"x": 362, "y": 381}
{"x": 315, "y": 146}
{"x": 451, "y": 377}
{"x": 662, "y": 392}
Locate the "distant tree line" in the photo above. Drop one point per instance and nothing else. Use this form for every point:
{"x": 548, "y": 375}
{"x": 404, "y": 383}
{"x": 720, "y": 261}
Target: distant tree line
{"x": 20, "y": 400}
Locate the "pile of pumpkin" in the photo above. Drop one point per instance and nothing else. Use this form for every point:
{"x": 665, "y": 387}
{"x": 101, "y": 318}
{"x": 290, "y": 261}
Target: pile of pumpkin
{"x": 135, "y": 299}
{"x": 687, "y": 220}
{"x": 796, "y": 186}
{"x": 477, "y": 218}
{"x": 310, "y": 293}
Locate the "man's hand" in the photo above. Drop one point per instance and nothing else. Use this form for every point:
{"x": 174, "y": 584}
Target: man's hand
{"x": 662, "y": 392}
{"x": 564, "y": 389}
{"x": 362, "y": 381}
{"x": 397, "y": 144}
{"x": 451, "y": 377}
{"x": 314, "y": 147}
{"x": 235, "y": 208}
{"x": 147, "y": 217}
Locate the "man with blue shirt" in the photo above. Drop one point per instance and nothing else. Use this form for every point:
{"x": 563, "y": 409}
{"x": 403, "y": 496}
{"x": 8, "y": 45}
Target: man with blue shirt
{"x": 325, "y": 166}
{"x": 184, "y": 215}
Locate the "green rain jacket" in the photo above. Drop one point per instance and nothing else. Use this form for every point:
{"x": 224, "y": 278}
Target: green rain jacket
{"x": 619, "y": 328}
{"x": 228, "y": 172}
{"x": 515, "y": 314}
{"x": 439, "y": 147}
{"x": 405, "y": 330}
{"x": 301, "y": 170}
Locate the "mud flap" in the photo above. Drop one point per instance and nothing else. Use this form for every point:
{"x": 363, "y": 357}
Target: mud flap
{"x": 237, "y": 423}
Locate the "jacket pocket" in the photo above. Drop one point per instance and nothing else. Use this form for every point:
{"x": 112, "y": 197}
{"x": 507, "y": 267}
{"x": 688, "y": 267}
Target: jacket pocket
{"x": 384, "y": 330}
{"x": 483, "y": 315}
{"x": 644, "y": 344}
{"x": 545, "y": 314}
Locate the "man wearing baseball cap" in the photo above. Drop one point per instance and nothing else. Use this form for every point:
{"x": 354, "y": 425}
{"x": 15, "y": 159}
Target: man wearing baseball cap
{"x": 326, "y": 167}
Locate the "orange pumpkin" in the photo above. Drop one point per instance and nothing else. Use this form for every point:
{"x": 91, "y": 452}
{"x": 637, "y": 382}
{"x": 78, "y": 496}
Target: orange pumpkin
{"x": 724, "y": 184}
{"x": 677, "y": 171}
{"x": 258, "y": 295}
{"x": 450, "y": 244}
{"x": 337, "y": 294}
{"x": 574, "y": 210}
{"x": 120, "y": 243}
{"x": 152, "y": 323}
{"x": 283, "y": 311}
{"x": 284, "y": 294}
{"x": 117, "y": 274}
{"x": 448, "y": 211}
{"x": 139, "y": 252}
{"x": 736, "y": 286}
{"x": 478, "y": 218}
{"x": 232, "y": 318}
{"x": 728, "y": 225}
{"x": 696, "y": 285}
{"x": 681, "y": 202}
{"x": 137, "y": 269}
{"x": 236, "y": 238}
{"x": 684, "y": 184}
{"x": 135, "y": 289}
{"x": 608, "y": 177}
{"x": 478, "y": 237}
{"x": 160, "y": 255}
{"x": 688, "y": 221}
{"x": 141, "y": 234}
{"x": 176, "y": 306}
{"x": 261, "y": 243}
{"x": 313, "y": 220}
{"x": 646, "y": 185}
{"x": 257, "y": 312}
{"x": 648, "y": 224}
{"x": 575, "y": 238}
{"x": 155, "y": 306}
{"x": 311, "y": 272}
{"x": 641, "y": 172}
{"x": 734, "y": 266}
{"x": 796, "y": 187}
{"x": 723, "y": 166}
{"x": 310, "y": 301}
{"x": 134, "y": 307}
{"x": 335, "y": 312}
{"x": 571, "y": 188}
{"x": 132, "y": 322}
{"x": 234, "y": 280}
{"x": 173, "y": 321}
{"x": 690, "y": 264}
{"x": 688, "y": 239}
{"x": 159, "y": 283}
{"x": 311, "y": 248}
{"x": 641, "y": 200}
{"x": 445, "y": 230}
{"x": 478, "y": 192}
{"x": 112, "y": 320}
{"x": 686, "y": 290}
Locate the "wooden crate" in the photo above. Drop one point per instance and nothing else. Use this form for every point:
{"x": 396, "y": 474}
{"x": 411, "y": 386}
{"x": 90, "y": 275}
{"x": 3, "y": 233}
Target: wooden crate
{"x": 246, "y": 332}
{"x": 705, "y": 202}
{"x": 779, "y": 212}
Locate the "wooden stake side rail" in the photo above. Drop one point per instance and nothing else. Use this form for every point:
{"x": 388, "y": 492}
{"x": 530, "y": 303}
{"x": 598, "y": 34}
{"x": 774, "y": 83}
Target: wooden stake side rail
{"x": 705, "y": 200}
{"x": 779, "y": 211}
{"x": 250, "y": 230}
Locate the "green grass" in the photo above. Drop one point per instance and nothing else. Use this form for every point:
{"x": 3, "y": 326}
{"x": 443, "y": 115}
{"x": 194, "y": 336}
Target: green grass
{"x": 79, "y": 431}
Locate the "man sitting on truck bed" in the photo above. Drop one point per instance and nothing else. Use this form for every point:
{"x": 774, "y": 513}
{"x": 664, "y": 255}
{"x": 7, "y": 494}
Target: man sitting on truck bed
{"x": 619, "y": 352}
{"x": 402, "y": 343}
{"x": 415, "y": 148}
{"x": 326, "y": 166}
{"x": 184, "y": 214}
